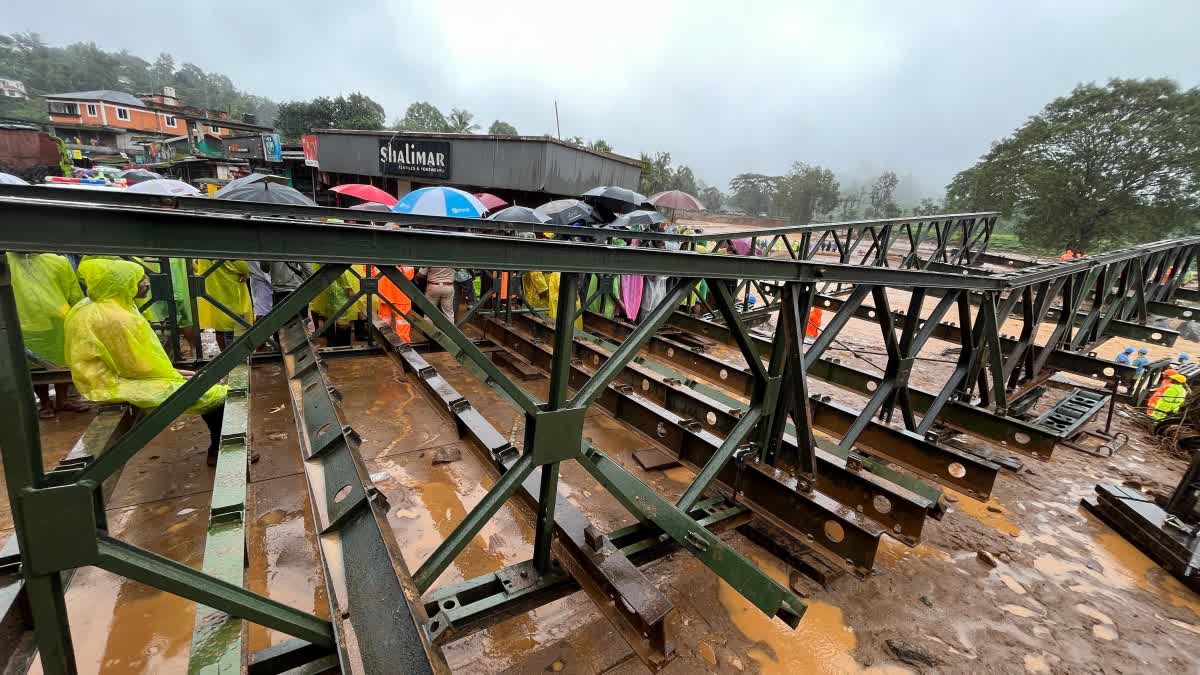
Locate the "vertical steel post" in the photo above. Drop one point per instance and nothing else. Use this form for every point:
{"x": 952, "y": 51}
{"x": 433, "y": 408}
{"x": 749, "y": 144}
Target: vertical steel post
{"x": 20, "y": 445}
{"x": 560, "y": 375}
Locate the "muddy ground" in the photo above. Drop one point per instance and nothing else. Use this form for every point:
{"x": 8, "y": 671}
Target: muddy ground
{"x": 1067, "y": 594}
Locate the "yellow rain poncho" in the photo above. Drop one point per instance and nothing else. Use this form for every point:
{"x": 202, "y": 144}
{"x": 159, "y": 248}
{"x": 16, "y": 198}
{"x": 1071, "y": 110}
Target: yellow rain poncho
{"x": 152, "y": 312}
{"x": 227, "y": 285}
{"x": 552, "y": 281}
{"x": 45, "y": 288}
{"x": 536, "y": 289}
{"x": 112, "y": 351}
{"x": 336, "y": 294}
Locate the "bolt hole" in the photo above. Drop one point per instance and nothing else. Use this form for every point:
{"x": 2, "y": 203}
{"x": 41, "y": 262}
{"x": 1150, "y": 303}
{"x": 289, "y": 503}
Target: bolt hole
{"x": 826, "y": 303}
{"x": 711, "y": 418}
{"x": 324, "y": 428}
{"x": 1156, "y": 336}
{"x": 309, "y": 387}
{"x": 595, "y": 359}
{"x": 645, "y": 385}
{"x": 449, "y": 604}
{"x": 433, "y": 627}
{"x": 670, "y": 351}
{"x": 871, "y": 313}
{"x": 882, "y": 504}
{"x": 834, "y": 531}
{"x": 871, "y": 386}
{"x": 1187, "y": 313}
{"x": 1022, "y": 438}
{"x": 957, "y": 470}
{"x": 1109, "y": 371}
{"x": 661, "y": 429}
{"x": 724, "y": 374}
{"x": 342, "y": 494}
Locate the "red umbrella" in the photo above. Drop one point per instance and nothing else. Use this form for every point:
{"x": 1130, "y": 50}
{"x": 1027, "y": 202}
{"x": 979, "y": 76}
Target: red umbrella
{"x": 492, "y": 202}
{"x": 366, "y": 192}
{"x": 676, "y": 199}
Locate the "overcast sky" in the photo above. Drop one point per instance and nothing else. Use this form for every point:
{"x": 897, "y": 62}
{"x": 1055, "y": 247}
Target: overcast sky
{"x": 921, "y": 88}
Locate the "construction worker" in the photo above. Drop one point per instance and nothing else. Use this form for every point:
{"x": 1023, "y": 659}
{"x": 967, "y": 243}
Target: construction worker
{"x": 1123, "y": 357}
{"x": 1163, "y": 382}
{"x": 45, "y": 288}
{"x": 114, "y": 354}
{"x": 1141, "y": 361}
{"x": 813, "y": 329}
{"x": 1067, "y": 255}
{"x": 1172, "y": 399}
{"x": 1183, "y": 358}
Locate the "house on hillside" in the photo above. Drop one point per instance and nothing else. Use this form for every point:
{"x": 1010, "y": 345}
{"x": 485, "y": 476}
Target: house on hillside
{"x": 106, "y": 124}
{"x": 12, "y": 88}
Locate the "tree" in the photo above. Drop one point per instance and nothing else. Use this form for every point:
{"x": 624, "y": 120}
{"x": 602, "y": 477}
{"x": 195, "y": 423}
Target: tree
{"x": 929, "y": 207}
{"x": 461, "y": 122}
{"x": 752, "y": 192}
{"x": 163, "y": 71}
{"x": 357, "y": 111}
{"x": 423, "y": 116}
{"x": 684, "y": 180}
{"x": 881, "y": 199}
{"x": 499, "y": 128}
{"x": 711, "y": 198}
{"x": 806, "y": 191}
{"x": 656, "y": 173}
{"x": 1103, "y": 166}
{"x": 850, "y": 203}
{"x": 600, "y": 145}
{"x": 577, "y": 140}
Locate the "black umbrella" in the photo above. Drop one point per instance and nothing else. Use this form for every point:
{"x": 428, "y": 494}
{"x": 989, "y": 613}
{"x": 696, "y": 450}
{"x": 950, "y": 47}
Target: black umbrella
{"x": 642, "y": 217}
{"x": 567, "y": 212}
{"x": 520, "y": 214}
{"x": 263, "y": 191}
{"x": 616, "y": 200}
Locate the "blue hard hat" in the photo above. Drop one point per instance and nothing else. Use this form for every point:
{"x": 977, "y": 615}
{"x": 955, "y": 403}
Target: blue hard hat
{"x": 752, "y": 299}
{"x": 1129, "y": 350}
{"x": 1143, "y": 350}
{"x": 1184, "y": 356}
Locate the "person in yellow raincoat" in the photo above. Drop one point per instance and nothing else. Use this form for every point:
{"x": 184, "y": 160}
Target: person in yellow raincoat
{"x": 330, "y": 300}
{"x": 536, "y": 289}
{"x": 552, "y": 282}
{"x": 45, "y": 288}
{"x": 114, "y": 354}
{"x": 227, "y": 285}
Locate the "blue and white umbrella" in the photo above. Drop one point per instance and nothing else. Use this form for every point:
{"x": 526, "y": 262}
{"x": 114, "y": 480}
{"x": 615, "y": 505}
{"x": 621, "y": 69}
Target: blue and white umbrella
{"x": 441, "y": 201}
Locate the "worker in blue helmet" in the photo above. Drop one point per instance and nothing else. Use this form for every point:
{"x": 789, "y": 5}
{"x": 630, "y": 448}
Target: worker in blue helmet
{"x": 1123, "y": 357}
{"x": 1141, "y": 361}
{"x": 1184, "y": 357}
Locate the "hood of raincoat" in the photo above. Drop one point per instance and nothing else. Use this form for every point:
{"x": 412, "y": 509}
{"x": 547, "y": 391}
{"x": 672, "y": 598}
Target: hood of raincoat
{"x": 111, "y": 279}
{"x": 112, "y": 351}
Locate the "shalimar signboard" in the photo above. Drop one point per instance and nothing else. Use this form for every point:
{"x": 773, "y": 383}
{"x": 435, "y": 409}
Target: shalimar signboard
{"x": 424, "y": 159}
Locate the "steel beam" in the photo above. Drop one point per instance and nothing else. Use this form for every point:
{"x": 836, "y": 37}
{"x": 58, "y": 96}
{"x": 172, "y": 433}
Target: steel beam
{"x": 631, "y": 603}
{"x": 379, "y": 625}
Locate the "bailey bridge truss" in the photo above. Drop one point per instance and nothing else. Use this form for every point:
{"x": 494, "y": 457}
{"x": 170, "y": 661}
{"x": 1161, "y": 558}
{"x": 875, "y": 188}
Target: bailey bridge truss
{"x": 775, "y": 459}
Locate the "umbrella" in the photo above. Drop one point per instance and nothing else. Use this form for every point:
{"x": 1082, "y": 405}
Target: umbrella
{"x": 441, "y": 201}
{"x": 9, "y": 179}
{"x": 643, "y": 218}
{"x": 370, "y": 206}
{"x": 676, "y": 199}
{"x": 249, "y": 180}
{"x": 166, "y": 187}
{"x": 367, "y": 193}
{"x": 135, "y": 176}
{"x": 492, "y": 202}
{"x": 615, "y": 199}
{"x": 567, "y": 212}
{"x": 520, "y": 214}
{"x": 263, "y": 191}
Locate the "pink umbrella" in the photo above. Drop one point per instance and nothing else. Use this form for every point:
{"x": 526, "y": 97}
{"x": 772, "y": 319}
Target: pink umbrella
{"x": 676, "y": 199}
{"x": 366, "y": 192}
{"x": 491, "y": 201}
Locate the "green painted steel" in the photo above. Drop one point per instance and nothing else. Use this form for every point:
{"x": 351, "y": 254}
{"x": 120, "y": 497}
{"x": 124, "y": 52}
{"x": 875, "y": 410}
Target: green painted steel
{"x": 167, "y": 575}
{"x": 217, "y": 637}
{"x": 717, "y": 462}
{"x": 20, "y": 440}
{"x": 643, "y": 502}
{"x": 74, "y": 227}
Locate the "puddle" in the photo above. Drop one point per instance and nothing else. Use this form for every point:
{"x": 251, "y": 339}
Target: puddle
{"x": 821, "y": 645}
{"x": 979, "y": 511}
{"x": 680, "y": 474}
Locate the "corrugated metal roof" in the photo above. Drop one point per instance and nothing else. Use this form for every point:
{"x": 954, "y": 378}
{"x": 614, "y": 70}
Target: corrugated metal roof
{"x": 107, "y": 95}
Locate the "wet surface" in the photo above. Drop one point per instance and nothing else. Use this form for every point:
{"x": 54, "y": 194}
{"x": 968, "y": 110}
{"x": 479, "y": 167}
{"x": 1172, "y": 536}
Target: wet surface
{"x": 58, "y": 437}
{"x": 119, "y": 626}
